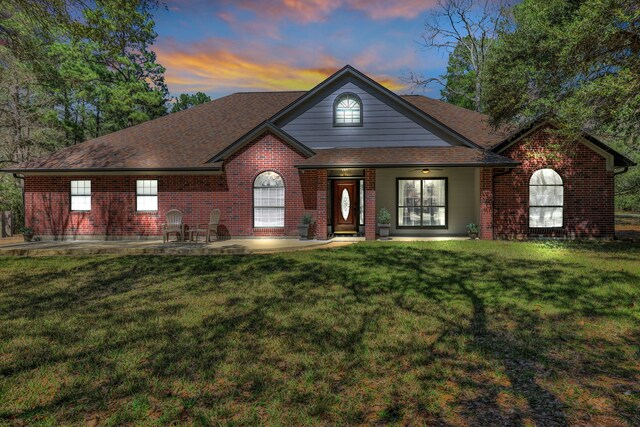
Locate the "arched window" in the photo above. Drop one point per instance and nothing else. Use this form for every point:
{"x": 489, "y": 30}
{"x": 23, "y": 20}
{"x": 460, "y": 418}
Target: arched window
{"x": 546, "y": 199}
{"x": 347, "y": 110}
{"x": 268, "y": 200}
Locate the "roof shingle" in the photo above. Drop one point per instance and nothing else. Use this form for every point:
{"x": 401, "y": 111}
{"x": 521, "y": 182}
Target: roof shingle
{"x": 404, "y": 157}
{"x": 188, "y": 139}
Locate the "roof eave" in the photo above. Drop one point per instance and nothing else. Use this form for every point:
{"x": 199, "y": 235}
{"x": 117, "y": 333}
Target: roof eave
{"x": 404, "y": 165}
{"x": 213, "y": 167}
{"x": 254, "y": 133}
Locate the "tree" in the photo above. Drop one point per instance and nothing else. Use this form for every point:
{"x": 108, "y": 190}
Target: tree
{"x": 105, "y": 74}
{"x": 460, "y": 80}
{"x": 578, "y": 61}
{"x": 467, "y": 29}
{"x": 185, "y": 101}
{"x": 27, "y": 125}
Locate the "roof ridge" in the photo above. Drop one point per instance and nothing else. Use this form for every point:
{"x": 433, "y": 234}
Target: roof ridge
{"x": 266, "y": 91}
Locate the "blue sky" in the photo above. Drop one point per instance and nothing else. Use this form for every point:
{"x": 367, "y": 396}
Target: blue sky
{"x": 225, "y": 46}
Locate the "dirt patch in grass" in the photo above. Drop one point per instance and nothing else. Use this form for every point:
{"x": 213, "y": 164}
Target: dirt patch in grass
{"x": 628, "y": 226}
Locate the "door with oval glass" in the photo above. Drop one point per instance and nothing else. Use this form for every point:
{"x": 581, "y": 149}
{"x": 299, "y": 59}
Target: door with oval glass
{"x": 345, "y": 206}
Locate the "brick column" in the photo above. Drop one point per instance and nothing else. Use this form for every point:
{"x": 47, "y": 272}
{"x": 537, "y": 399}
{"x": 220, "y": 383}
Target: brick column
{"x": 370, "y": 214}
{"x": 486, "y": 204}
{"x": 321, "y": 200}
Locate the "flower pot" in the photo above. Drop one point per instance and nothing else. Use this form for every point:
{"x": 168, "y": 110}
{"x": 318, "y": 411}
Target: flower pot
{"x": 383, "y": 230}
{"x": 472, "y": 235}
{"x": 28, "y": 237}
{"x": 303, "y": 231}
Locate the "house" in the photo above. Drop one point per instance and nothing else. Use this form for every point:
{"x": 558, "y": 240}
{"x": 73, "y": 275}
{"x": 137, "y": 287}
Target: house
{"x": 341, "y": 152}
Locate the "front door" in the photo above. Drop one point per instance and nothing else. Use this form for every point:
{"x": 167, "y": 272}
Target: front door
{"x": 345, "y": 206}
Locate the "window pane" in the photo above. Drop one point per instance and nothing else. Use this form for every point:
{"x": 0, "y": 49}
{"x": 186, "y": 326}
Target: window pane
{"x": 409, "y": 192}
{"x": 268, "y": 179}
{"x": 269, "y": 217}
{"x": 268, "y": 197}
{"x": 545, "y": 217}
{"x": 545, "y": 177}
{"x": 347, "y": 110}
{"x": 546, "y": 195}
{"x": 147, "y": 203}
{"x": 80, "y": 203}
{"x": 433, "y": 217}
{"x": 433, "y": 192}
{"x": 81, "y": 188}
{"x": 409, "y": 217}
{"x": 147, "y": 187}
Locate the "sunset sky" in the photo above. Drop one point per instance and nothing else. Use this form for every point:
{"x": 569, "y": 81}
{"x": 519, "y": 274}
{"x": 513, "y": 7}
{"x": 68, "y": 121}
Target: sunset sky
{"x": 225, "y": 46}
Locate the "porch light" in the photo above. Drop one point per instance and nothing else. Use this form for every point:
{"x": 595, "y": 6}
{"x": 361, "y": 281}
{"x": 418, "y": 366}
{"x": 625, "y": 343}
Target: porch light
{"x": 425, "y": 171}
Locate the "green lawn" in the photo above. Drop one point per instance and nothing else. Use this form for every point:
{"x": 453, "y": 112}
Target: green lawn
{"x": 459, "y": 333}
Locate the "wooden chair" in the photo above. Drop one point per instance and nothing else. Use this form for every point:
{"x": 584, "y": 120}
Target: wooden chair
{"x": 173, "y": 225}
{"x": 207, "y": 229}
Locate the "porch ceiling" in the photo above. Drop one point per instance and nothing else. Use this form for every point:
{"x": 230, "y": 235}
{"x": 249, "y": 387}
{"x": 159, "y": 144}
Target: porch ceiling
{"x": 390, "y": 157}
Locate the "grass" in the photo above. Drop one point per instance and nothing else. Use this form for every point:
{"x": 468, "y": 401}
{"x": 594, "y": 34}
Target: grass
{"x": 455, "y": 333}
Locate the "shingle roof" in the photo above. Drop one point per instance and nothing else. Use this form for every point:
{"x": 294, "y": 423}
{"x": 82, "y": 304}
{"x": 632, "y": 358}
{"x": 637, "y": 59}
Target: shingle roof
{"x": 188, "y": 139}
{"x": 470, "y": 124}
{"x": 404, "y": 157}
{"x": 183, "y": 140}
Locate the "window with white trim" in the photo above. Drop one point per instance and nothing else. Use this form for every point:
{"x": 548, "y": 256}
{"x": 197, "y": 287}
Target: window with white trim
{"x": 81, "y": 195}
{"x": 268, "y": 200}
{"x": 347, "y": 110}
{"x": 147, "y": 195}
{"x": 546, "y": 199}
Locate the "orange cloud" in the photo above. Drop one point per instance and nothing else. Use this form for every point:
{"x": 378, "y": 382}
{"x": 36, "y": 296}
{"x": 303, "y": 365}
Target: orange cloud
{"x": 385, "y": 9}
{"x": 218, "y": 65}
{"x": 318, "y": 10}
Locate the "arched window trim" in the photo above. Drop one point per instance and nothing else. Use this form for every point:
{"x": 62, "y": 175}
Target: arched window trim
{"x": 338, "y": 99}
{"x": 262, "y": 201}
{"x": 536, "y": 206}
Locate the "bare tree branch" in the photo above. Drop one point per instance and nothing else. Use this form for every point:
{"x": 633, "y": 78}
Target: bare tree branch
{"x": 471, "y": 24}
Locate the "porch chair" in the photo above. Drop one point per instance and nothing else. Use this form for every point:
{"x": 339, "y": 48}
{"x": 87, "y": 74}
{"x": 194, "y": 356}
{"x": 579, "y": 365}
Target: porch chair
{"x": 209, "y": 229}
{"x": 173, "y": 225}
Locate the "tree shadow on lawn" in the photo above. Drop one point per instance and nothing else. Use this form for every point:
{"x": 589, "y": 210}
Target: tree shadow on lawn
{"x": 311, "y": 330}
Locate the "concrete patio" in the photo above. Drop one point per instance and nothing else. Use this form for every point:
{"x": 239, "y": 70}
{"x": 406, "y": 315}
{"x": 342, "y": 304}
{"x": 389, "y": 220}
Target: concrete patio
{"x": 16, "y": 247}
{"x": 157, "y": 247}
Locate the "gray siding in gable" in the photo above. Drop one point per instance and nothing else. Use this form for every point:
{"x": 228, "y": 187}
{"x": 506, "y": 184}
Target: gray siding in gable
{"x": 383, "y": 126}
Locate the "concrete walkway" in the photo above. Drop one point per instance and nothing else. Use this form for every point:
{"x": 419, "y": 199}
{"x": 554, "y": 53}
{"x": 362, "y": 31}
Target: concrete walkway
{"x": 156, "y": 247}
{"x": 17, "y": 247}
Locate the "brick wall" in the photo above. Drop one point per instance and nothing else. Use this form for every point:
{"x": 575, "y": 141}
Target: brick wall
{"x": 486, "y": 203}
{"x": 370, "y": 215}
{"x": 113, "y": 202}
{"x": 588, "y": 188}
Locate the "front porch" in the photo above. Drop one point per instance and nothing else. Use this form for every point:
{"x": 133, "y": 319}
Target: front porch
{"x": 422, "y": 201}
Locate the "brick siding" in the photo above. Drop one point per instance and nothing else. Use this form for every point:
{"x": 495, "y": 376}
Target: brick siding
{"x": 504, "y": 198}
{"x": 113, "y": 198}
{"x": 588, "y": 188}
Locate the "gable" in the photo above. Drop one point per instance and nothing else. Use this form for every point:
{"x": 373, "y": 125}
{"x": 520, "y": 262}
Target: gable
{"x": 382, "y": 124}
{"x": 392, "y": 121}
{"x": 612, "y": 157}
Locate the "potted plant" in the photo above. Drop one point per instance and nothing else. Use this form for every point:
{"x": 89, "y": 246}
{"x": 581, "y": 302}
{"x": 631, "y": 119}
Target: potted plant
{"x": 384, "y": 222}
{"x": 303, "y": 227}
{"x": 473, "y": 230}
{"x": 27, "y": 233}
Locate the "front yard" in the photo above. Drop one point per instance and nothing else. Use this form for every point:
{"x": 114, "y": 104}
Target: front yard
{"x": 461, "y": 333}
